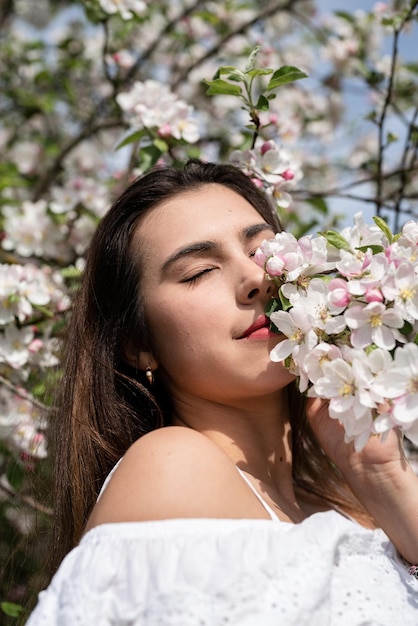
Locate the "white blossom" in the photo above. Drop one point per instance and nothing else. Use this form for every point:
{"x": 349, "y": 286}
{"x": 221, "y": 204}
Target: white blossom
{"x": 126, "y": 8}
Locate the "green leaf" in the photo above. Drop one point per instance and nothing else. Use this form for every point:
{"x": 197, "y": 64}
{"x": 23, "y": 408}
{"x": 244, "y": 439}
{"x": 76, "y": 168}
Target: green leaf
{"x": 406, "y": 329}
{"x": 388, "y": 21}
{"x": 70, "y": 272}
{"x": 228, "y": 69}
{"x": 285, "y": 303}
{"x": 391, "y": 138}
{"x": 11, "y": 609}
{"x": 42, "y": 309}
{"x": 319, "y": 204}
{"x": 286, "y": 74}
{"x": 251, "y": 59}
{"x": 375, "y": 249}
{"x": 335, "y": 239}
{"x": 303, "y": 228}
{"x": 344, "y": 15}
{"x": 272, "y": 306}
{"x": 133, "y": 138}
{"x": 383, "y": 227}
{"x": 148, "y": 157}
{"x": 262, "y": 104}
{"x": 220, "y": 87}
{"x": 161, "y": 145}
{"x": 412, "y": 67}
{"x": 260, "y": 72}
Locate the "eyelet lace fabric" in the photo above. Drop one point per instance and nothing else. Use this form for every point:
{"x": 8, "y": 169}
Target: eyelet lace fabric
{"x": 202, "y": 572}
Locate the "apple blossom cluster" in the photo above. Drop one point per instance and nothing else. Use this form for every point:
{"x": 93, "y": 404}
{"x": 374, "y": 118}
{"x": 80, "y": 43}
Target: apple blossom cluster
{"x": 271, "y": 167}
{"x": 347, "y": 306}
{"x": 127, "y": 9}
{"x": 21, "y": 427}
{"x": 353, "y": 37}
{"x": 152, "y": 105}
{"x": 26, "y": 292}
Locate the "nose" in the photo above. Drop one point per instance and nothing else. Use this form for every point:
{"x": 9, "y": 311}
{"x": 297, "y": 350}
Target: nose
{"x": 253, "y": 284}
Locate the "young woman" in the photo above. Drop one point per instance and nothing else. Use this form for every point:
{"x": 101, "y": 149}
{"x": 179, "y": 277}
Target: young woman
{"x": 226, "y": 504}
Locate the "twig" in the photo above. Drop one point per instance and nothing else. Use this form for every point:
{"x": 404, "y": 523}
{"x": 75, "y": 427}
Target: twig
{"x": 269, "y": 10}
{"x": 146, "y": 54}
{"x": 89, "y": 130}
{"x": 24, "y": 395}
{"x": 28, "y": 500}
{"x": 363, "y": 181}
{"x": 410, "y": 147}
{"x": 382, "y": 118}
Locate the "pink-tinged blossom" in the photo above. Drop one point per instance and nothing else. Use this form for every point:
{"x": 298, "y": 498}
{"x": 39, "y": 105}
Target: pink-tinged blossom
{"x": 322, "y": 314}
{"x": 399, "y": 383}
{"x": 341, "y": 334}
{"x": 374, "y": 324}
{"x": 373, "y": 294}
{"x": 278, "y": 170}
{"x": 338, "y": 293}
{"x": 152, "y": 105}
{"x": 289, "y": 258}
{"x": 20, "y": 426}
{"x": 402, "y": 289}
{"x": 374, "y": 271}
{"x": 123, "y": 58}
{"x": 354, "y": 265}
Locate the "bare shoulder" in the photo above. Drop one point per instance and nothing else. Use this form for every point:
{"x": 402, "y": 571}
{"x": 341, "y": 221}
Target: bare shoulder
{"x": 173, "y": 472}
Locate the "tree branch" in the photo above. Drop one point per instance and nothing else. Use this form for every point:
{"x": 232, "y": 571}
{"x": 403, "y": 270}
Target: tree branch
{"x": 24, "y": 395}
{"x": 31, "y": 502}
{"x": 144, "y": 56}
{"x": 89, "y": 130}
{"x": 267, "y": 11}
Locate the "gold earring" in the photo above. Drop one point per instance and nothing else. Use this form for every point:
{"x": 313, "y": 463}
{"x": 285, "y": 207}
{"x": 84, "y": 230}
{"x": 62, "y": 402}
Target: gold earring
{"x": 149, "y": 374}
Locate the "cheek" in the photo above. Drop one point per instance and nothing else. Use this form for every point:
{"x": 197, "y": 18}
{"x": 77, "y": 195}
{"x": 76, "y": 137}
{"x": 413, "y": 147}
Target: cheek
{"x": 173, "y": 329}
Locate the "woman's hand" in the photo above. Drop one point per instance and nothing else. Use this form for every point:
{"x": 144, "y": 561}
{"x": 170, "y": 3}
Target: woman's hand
{"x": 381, "y": 453}
{"x": 379, "y": 475}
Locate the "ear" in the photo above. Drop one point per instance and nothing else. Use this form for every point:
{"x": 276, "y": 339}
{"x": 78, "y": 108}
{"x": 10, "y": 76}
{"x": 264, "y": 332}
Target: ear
{"x": 140, "y": 359}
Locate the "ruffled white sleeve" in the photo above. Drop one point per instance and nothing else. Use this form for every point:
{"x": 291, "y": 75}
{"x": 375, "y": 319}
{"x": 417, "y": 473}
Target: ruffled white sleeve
{"x": 324, "y": 571}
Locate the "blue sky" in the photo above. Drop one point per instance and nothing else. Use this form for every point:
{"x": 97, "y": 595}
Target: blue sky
{"x": 408, "y": 51}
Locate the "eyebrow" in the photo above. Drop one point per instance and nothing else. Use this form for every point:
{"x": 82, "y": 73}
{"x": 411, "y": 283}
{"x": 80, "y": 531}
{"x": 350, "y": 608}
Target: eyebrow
{"x": 200, "y": 247}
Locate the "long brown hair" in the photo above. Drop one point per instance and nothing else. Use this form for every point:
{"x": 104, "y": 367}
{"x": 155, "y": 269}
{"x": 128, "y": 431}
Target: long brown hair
{"x": 103, "y": 405}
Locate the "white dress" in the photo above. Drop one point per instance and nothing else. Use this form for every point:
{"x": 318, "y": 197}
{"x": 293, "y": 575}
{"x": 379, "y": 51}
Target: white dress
{"x": 325, "y": 571}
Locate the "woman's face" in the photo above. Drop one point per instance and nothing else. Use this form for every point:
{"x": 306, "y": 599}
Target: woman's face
{"x": 203, "y": 292}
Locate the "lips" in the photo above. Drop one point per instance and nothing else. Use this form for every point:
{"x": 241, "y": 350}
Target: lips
{"x": 261, "y": 327}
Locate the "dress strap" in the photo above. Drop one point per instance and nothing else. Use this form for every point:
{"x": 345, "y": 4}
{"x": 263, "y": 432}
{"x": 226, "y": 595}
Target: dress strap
{"x": 268, "y": 508}
{"x": 107, "y": 479}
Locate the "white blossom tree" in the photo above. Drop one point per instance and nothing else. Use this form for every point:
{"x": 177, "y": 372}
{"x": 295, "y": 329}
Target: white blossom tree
{"x": 319, "y": 109}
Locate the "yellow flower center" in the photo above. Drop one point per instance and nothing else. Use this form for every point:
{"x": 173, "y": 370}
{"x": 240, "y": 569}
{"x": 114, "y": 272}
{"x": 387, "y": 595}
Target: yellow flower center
{"x": 412, "y": 386}
{"x": 297, "y": 336}
{"x": 347, "y": 389}
{"x": 375, "y": 321}
{"x": 407, "y": 293}
{"x": 324, "y": 359}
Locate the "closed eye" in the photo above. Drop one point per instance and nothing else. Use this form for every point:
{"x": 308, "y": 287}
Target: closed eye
{"x": 198, "y": 276}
